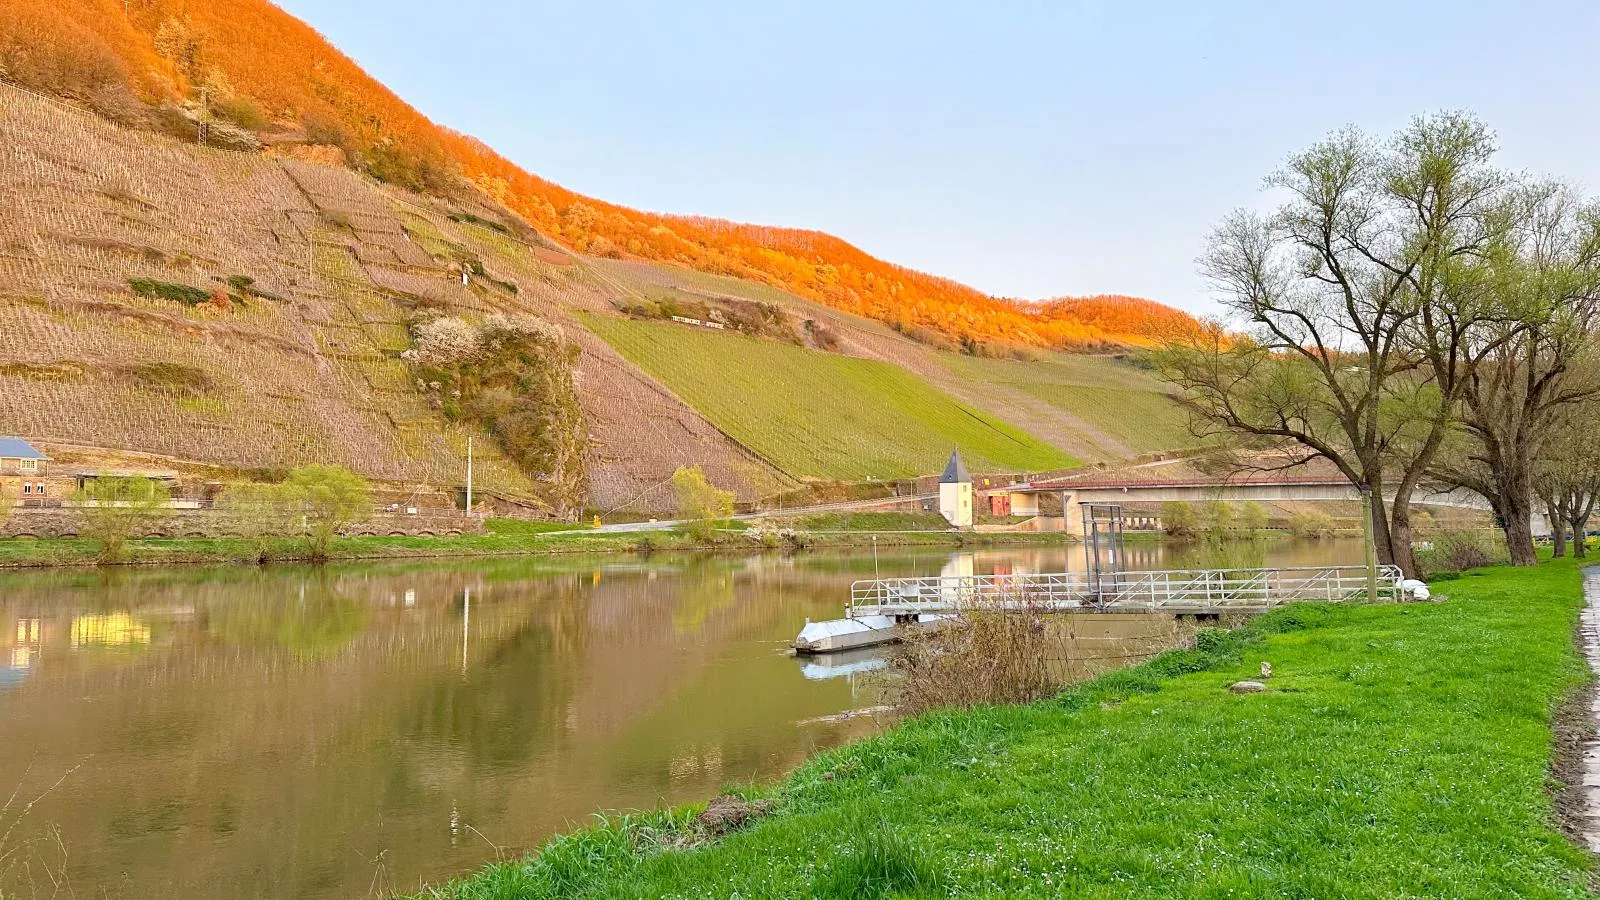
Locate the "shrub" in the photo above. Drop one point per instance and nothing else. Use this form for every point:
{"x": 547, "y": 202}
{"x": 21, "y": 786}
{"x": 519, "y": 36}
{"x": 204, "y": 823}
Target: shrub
{"x": 320, "y": 130}
{"x": 168, "y": 377}
{"x": 823, "y": 337}
{"x": 513, "y": 375}
{"x": 174, "y": 122}
{"x": 241, "y": 111}
{"x": 259, "y": 511}
{"x": 329, "y": 497}
{"x": 446, "y": 341}
{"x": 983, "y": 657}
{"x": 700, "y": 502}
{"x": 1216, "y": 518}
{"x": 226, "y": 136}
{"x": 1178, "y": 519}
{"x": 1252, "y": 518}
{"x": 471, "y": 219}
{"x": 935, "y": 339}
{"x": 1310, "y": 523}
{"x": 1455, "y": 551}
{"x": 150, "y": 288}
{"x": 115, "y": 506}
{"x": 246, "y": 285}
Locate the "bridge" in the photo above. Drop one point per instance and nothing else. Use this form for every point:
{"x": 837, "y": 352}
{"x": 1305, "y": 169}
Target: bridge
{"x": 880, "y": 609}
{"x": 1126, "y": 486}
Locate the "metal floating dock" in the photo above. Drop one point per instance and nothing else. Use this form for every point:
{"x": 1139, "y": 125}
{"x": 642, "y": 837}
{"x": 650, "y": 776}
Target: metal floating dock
{"x": 880, "y": 607}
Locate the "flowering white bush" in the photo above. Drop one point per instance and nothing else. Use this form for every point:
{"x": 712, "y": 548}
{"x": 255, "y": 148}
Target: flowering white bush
{"x": 446, "y": 340}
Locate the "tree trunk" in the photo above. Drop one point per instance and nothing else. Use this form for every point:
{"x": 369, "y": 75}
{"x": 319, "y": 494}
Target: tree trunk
{"x": 1380, "y": 529}
{"x": 1558, "y": 531}
{"x": 1516, "y": 507}
{"x": 1582, "y": 506}
{"x": 1397, "y": 530}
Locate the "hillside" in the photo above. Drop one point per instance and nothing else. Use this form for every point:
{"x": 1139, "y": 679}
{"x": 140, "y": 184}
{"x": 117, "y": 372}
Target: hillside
{"x": 252, "y": 309}
{"x": 309, "y": 366}
{"x": 1094, "y": 407}
{"x": 822, "y": 415}
{"x": 267, "y": 77}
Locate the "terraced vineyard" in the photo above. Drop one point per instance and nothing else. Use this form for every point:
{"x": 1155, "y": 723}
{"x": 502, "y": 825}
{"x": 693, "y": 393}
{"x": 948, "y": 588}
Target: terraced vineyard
{"x": 822, "y": 415}
{"x": 1096, "y": 408}
{"x": 309, "y": 369}
{"x": 1110, "y": 397}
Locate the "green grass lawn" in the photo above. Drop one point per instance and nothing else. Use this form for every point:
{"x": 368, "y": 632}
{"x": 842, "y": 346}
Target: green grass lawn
{"x": 1108, "y": 395}
{"x": 815, "y": 414}
{"x": 1402, "y": 751}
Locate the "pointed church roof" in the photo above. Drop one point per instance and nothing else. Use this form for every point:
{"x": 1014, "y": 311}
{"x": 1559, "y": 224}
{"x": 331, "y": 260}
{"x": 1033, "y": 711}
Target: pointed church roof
{"x": 955, "y": 471}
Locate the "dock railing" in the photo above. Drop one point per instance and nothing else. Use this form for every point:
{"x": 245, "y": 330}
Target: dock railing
{"x": 1175, "y": 590}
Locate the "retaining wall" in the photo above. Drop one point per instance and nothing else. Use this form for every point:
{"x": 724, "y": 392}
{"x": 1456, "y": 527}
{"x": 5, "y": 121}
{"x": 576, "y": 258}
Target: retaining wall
{"x": 68, "y": 522}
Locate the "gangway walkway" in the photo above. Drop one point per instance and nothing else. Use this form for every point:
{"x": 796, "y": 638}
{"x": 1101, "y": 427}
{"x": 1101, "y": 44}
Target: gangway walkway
{"x": 881, "y": 609}
{"x": 1179, "y": 591}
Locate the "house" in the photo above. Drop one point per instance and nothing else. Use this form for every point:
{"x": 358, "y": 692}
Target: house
{"x": 955, "y": 492}
{"x": 18, "y": 457}
{"x": 23, "y": 464}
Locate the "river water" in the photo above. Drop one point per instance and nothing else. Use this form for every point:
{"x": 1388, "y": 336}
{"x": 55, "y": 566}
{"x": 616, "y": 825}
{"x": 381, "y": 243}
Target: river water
{"x": 354, "y": 730}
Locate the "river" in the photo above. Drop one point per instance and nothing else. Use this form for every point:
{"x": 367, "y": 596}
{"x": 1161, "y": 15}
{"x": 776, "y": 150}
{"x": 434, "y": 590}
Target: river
{"x": 354, "y": 730}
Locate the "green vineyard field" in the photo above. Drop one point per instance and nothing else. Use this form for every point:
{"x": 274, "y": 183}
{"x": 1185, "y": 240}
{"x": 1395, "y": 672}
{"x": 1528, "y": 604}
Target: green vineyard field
{"x": 822, "y": 415}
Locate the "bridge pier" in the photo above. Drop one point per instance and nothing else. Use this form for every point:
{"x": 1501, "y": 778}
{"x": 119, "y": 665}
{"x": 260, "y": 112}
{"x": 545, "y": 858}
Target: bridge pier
{"x": 1071, "y": 513}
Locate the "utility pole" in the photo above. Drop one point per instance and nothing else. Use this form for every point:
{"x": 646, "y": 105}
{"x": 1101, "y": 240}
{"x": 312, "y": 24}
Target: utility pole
{"x": 1369, "y": 542}
{"x": 469, "y": 475}
{"x": 466, "y": 627}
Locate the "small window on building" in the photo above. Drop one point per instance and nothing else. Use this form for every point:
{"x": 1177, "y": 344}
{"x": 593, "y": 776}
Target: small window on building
{"x": 30, "y": 465}
{"x": 27, "y": 487}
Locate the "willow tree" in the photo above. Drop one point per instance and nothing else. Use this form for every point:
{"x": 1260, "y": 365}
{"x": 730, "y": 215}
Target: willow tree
{"x": 1566, "y": 474}
{"x": 1368, "y": 296}
{"x": 1513, "y": 402}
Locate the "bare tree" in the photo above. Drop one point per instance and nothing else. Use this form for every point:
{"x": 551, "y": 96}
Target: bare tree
{"x": 1567, "y": 474}
{"x": 1544, "y": 363}
{"x": 1368, "y": 294}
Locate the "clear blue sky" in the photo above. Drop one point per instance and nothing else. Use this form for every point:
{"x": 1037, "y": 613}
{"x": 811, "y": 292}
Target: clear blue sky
{"x": 1028, "y": 149}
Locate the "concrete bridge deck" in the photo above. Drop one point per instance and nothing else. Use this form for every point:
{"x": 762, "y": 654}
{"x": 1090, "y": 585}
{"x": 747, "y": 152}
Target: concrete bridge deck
{"x": 1267, "y": 487}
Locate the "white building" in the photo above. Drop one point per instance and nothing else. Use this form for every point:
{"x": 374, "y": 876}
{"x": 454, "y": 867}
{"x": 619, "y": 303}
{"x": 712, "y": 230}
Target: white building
{"x": 955, "y": 493}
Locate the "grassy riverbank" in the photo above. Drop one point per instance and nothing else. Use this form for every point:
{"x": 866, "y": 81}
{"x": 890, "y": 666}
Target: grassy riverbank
{"x": 1401, "y": 751}
{"x": 505, "y": 537}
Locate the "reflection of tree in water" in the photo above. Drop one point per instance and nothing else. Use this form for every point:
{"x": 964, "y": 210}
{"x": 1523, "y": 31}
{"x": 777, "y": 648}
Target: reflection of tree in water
{"x": 705, "y": 586}
{"x": 311, "y": 619}
{"x": 1213, "y": 552}
{"x": 513, "y": 698}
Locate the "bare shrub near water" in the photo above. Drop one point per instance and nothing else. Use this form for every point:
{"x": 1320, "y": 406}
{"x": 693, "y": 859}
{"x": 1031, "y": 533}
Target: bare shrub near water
{"x": 1461, "y": 549}
{"x": 982, "y": 657}
{"x": 988, "y": 656}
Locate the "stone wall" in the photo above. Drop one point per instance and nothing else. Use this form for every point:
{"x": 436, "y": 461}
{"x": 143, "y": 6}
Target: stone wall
{"x": 68, "y": 522}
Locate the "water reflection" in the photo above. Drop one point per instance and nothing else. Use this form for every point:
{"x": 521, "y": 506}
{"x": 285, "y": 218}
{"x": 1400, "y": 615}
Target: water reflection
{"x": 334, "y": 732}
